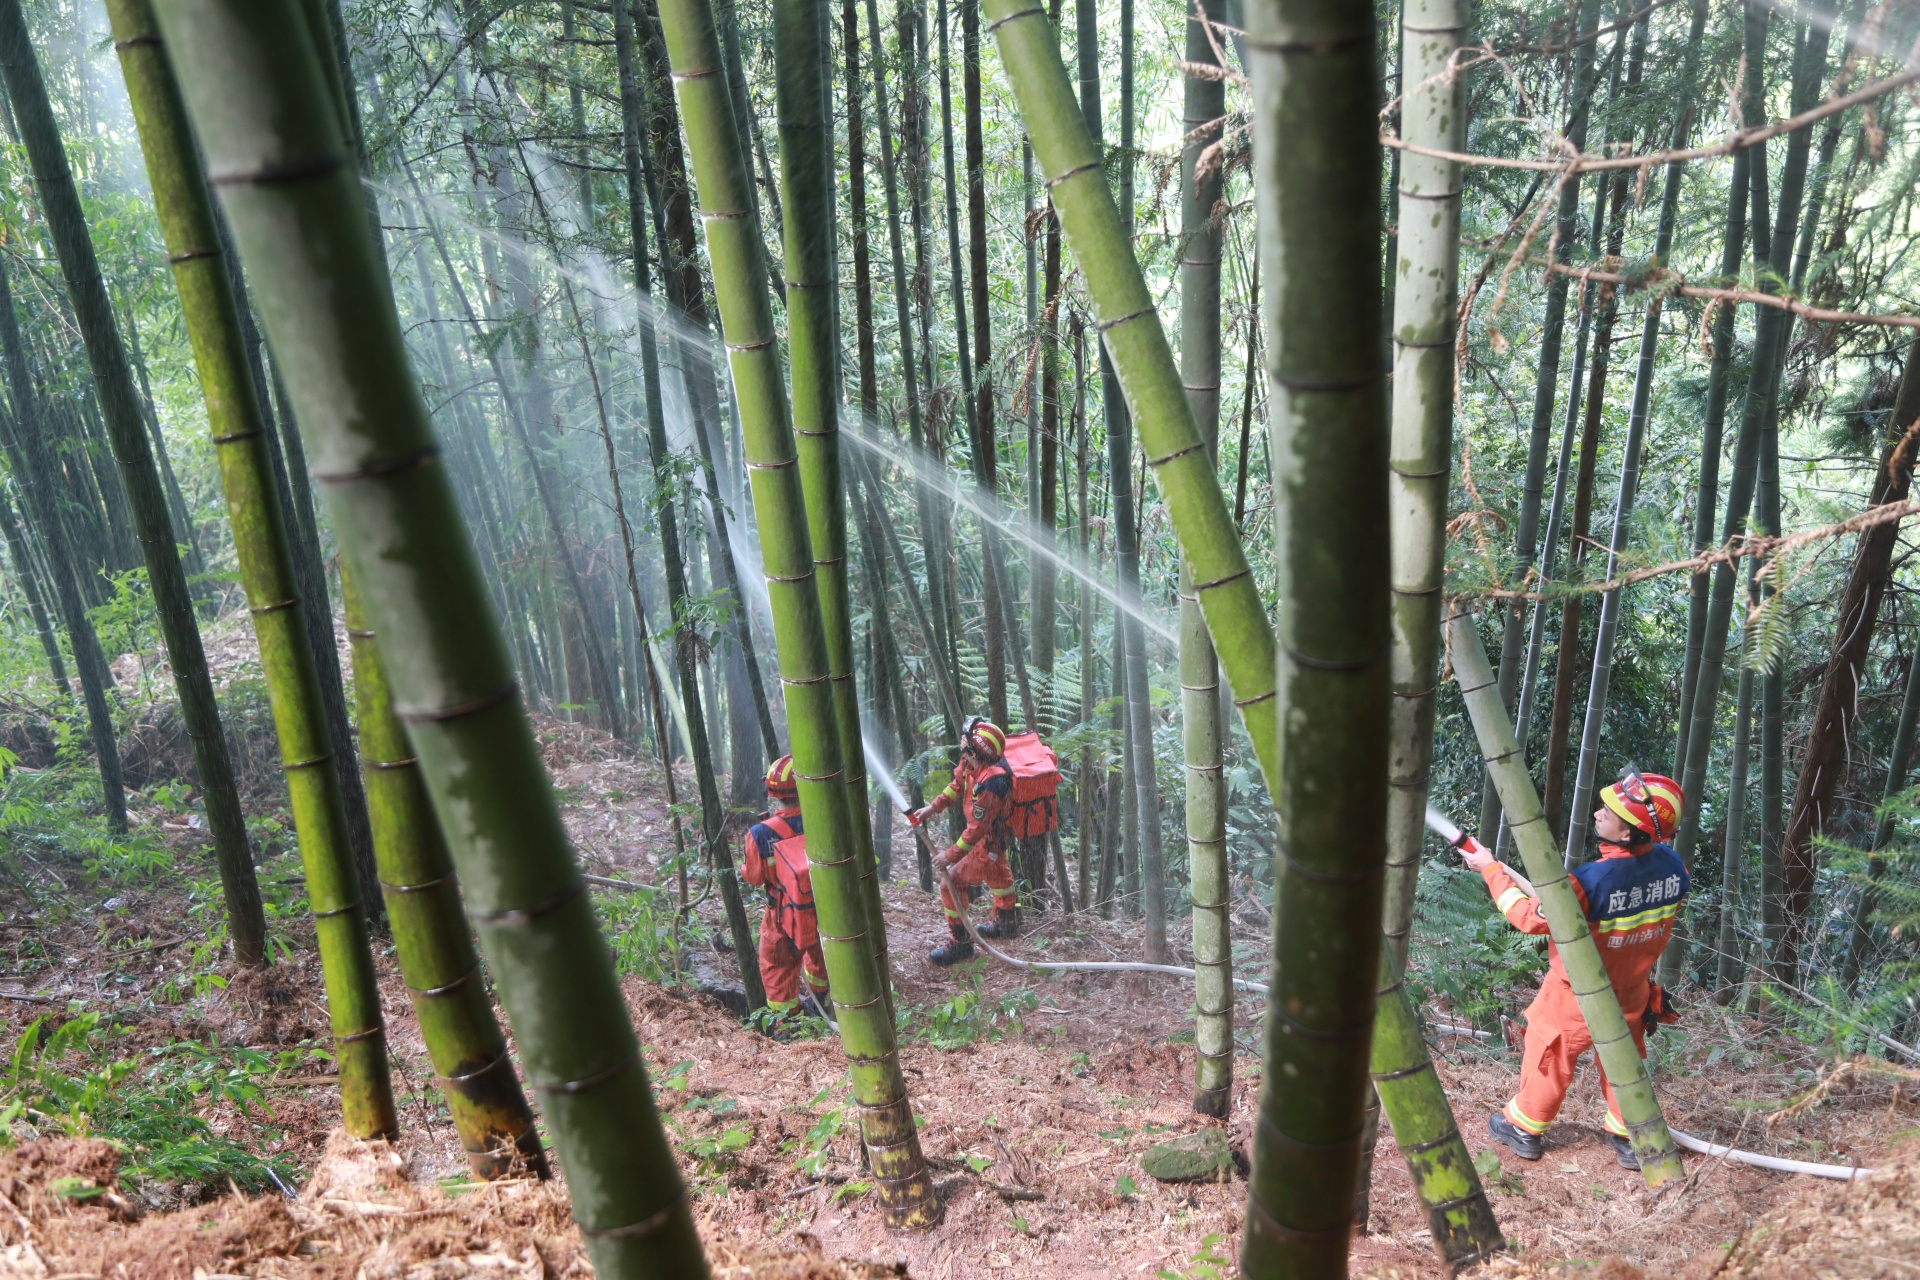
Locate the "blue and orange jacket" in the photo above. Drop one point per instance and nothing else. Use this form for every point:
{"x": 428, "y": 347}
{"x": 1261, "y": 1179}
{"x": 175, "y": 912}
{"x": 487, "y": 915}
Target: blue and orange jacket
{"x": 989, "y": 810}
{"x": 1631, "y": 901}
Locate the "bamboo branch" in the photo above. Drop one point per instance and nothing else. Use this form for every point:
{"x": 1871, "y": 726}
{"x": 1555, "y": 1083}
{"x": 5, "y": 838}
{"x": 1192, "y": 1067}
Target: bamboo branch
{"x": 1738, "y": 140}
{"x": 1735, "y": 548}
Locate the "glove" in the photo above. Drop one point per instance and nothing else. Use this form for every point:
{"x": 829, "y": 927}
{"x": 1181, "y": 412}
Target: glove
{"x": 1476, "y": 855}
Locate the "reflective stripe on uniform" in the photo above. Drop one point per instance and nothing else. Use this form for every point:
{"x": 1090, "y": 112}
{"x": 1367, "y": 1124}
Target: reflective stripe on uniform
{"x": 1522, "y": 1119}
{"x": 1514, "y": 894}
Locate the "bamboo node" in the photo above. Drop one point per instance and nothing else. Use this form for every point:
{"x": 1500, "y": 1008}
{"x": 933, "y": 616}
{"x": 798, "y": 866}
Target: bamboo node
{"x": 273, "y": 606}
{"x": 354, "y": 1037}
{"x": 405, "y": 762}
{"x": 270, "y": 177}
{"x": 1074, "y": 172}
{"x": 997, "y": 23}
{"x": 1327, "y": 386}
{"x": 239, "y": 436}
{"x": 292, "y": 766}
{"x": 1337, "y": 665}
{"x": 382, "y": 466}
{"x": 331, "y": 912}
{"x": 1195, "y": 447}
{"x": 532, "y": 911}
{"x": 191, "y": 255}
{"x": 1269, "y": 1223}
{"x": 1106, "y": 325}
{"x": 570, "y": 1087}
{"x": 422, "y": 887}
{"x": 445, "y": 988}
{"x": 645, "y": 1227}
{"x": 436, "y": 715}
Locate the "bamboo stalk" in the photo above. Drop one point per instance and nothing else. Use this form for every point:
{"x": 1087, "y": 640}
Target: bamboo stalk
{"x": 146, "y": 502}
{"x": 430, "y": 932}
{"x": 1200, "y": 715}
{"x": 29, "y": 455}
{"x": 1612, "y": 1042}
{"x": 859, "y": 983}
{"x": 260, "y": 541}
{"x": 255, "y": 84}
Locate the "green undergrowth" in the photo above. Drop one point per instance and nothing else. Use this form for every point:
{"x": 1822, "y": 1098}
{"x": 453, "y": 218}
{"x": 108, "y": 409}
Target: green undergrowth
{"x": 187, "y": 1116}
{"x": 966, "y": 1017}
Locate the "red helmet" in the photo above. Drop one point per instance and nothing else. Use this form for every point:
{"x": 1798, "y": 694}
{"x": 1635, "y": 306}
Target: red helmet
{"x": 781, "y": 781}
{"x": 1648, "y": 802}
{"x": 984, "y": 738}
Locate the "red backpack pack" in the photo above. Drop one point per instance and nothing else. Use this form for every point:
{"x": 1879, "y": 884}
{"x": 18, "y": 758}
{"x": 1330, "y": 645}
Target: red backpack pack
{"x": 793, "y": 889}
{"x": 1036, "y": 785}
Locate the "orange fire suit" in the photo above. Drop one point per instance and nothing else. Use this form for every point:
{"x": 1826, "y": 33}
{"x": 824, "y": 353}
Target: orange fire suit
{"x": 1630, "y": 900}
{"x": 789, "y": 934}
{"x": 979, "y": 856}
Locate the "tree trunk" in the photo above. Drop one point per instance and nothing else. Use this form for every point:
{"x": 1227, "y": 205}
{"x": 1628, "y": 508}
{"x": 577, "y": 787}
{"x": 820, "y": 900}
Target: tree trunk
{"x": 34, "y": 470}
{"x": 348, "y": 371}
{"x": 120, "y": 405}
{"x": 1526, "y": 529}
{"x": 720, "y": 171}
{"x": 678, "y": 633}
{"x": 1201, "y": 727}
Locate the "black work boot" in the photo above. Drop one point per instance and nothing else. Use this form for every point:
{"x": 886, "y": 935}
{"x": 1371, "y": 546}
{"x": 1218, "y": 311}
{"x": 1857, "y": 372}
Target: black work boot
{"x": 1623, "y": 1151}
{"x": 957, "y": 947}
{"x": 1527, "y": 1146}
{"x": 1005, "y": 922}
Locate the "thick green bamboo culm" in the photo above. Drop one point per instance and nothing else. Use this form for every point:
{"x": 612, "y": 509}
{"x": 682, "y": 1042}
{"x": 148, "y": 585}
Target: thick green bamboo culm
{"x": 185, "y": 209}
{"x": 1200, "y": 718}
{"x": 802, "y": 89}
{"x": 256, "y": 91}
{"x": 430, "y": 932}
{"x": 1316, "y": 192}
{"x": 746, "y": 315}
{"x": 1458, "y": 1212}
{"x": 1612, "y": 1042}
{"x": 1183, "y": 467}
{"x": 1210, "y": 544}
{"x": 173, "y": 604}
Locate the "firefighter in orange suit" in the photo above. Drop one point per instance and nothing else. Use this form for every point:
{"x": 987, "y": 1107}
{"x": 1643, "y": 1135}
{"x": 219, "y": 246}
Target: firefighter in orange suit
{"x": 1631, "y": 895}
{"x": 979, "y": 856}
{"x": 789, "y": 931}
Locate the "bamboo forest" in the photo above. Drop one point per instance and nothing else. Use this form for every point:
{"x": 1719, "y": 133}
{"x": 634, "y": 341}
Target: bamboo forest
{"x": 816, "y": 639}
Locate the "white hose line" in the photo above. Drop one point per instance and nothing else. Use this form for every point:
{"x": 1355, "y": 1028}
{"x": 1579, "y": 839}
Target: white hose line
{"x": 1840, "y": 1172}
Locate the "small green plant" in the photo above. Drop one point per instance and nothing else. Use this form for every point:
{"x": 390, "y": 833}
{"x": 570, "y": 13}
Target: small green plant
{"x": 645, "y": 929}
{"x": 967, "y": 1017}
{"x": 1125, "y": 1187}
{"x": 1494, "y": 1175}
{"x": 819, "y": 1141}
{"x": 61, "y": 1081}
{"x": 851, "y": 1191}
{"x": 1207, "y": 1263}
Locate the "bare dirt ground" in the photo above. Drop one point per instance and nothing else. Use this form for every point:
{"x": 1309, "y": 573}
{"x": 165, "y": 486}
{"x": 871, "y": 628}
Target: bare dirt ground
{"x": 1034, "y": 1115}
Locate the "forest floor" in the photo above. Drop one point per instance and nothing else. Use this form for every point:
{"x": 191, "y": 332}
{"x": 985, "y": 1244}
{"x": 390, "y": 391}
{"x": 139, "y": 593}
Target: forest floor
{"x": 1036, "y": 1099}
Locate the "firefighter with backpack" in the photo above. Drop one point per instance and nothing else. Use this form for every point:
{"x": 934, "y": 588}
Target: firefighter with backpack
{"x": 1010, "y": 787}
{"x": 775, "y": 856}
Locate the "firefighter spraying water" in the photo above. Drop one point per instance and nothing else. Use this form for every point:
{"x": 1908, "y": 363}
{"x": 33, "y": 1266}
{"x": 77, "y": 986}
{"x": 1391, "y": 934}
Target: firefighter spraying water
{"x": 1631, "y": 895}
{"x": 1010, "y": 787}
